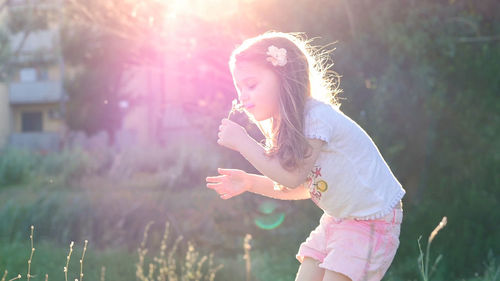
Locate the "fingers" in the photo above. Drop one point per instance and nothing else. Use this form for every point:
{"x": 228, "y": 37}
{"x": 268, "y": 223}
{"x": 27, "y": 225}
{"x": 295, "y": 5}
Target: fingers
{"x": 215, "y": 179}
{"x": 226, "y": 172}
{"x": 223, "y": 172}
{"x": 214, "y": 185}
{"x": 217, "y": 183}
{"x": 224, "y": 123}
{"x": 219, "y": 188}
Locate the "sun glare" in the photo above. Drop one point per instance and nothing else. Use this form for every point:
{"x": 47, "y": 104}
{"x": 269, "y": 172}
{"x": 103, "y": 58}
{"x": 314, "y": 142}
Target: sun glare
{"x": 206, "y": 9}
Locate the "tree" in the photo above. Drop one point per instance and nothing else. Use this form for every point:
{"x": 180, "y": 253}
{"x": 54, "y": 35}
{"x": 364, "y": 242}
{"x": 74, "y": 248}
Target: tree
{"x": 28, "y": 18}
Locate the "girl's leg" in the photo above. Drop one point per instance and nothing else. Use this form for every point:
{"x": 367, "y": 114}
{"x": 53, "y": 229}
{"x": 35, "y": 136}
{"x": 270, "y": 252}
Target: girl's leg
{"x": 335, "y": 276}
{"x": 310, "y": 271}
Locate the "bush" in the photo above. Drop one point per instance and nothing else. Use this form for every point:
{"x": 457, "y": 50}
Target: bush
{"x": 15, "y": 166}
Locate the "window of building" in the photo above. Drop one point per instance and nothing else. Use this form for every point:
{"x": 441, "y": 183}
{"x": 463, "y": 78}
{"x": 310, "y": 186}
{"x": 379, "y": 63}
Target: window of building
{"x": 27, "y": 75}
{"x": 31, "y": 122}
{"x": 34, "y": 74}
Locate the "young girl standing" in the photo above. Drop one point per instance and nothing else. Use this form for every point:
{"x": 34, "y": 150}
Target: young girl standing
{"x": 313, "y": 150}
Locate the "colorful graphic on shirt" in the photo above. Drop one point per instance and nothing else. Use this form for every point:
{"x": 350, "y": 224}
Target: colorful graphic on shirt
{"x": 316, "y": 184}
{"x": 317, "y": 171}
{"x": 322, "y": 185}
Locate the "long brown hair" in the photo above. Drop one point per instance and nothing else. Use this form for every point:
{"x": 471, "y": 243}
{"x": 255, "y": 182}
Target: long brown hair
{"x": 306, "y": 75}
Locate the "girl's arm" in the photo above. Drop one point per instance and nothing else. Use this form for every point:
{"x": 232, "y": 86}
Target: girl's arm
{"x": 235, "y": 137}
{"x": 265, "y": 186}
{"x": 271, "y": 167}
{"x": 233, "y": 182}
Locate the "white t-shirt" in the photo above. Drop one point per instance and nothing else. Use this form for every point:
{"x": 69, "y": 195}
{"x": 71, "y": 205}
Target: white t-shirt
{"x": 350, "y": 178}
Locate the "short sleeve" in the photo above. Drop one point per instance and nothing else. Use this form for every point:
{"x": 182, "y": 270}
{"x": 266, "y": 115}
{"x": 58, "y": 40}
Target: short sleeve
{"x": 316, "y": 122}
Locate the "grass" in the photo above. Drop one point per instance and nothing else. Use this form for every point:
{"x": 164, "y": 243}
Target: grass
{"x": 111, "y": 206}
{"x": 423, "y": 263}
{"x": 491, "y": 273}
{"x": 164, "y": 266}
{"x": 167, "y": 264}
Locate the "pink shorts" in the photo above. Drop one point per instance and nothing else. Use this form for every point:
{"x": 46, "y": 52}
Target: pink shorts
{"x": 363, "y": 250}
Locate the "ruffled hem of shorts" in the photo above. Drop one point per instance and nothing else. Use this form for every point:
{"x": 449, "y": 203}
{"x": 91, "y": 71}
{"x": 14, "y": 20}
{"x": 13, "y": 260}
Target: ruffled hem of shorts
{"x": 395, "y": 200}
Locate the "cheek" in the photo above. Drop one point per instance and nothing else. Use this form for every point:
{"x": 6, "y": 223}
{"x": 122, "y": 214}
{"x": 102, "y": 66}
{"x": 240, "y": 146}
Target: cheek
{"x": 269, "y": 98}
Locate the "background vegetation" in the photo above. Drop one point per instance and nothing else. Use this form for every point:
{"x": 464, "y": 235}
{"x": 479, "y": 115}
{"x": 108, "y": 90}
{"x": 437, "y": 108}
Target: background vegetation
{"x": 421, "y": 77}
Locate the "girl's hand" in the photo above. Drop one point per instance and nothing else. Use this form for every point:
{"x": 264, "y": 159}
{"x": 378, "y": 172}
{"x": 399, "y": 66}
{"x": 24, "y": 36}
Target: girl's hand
{"x": 231, "y": 134}
{"x": 230, "y": 183}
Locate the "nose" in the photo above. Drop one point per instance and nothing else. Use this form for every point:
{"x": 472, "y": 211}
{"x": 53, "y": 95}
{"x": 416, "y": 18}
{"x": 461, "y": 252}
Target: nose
{"x": 244, "y": 97}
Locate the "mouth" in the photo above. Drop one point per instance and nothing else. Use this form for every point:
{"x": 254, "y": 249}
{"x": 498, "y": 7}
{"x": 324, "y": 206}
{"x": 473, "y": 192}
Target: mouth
{"x": 249, "y": 106}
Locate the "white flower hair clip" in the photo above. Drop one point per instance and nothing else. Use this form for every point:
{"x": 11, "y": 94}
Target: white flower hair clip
{"x": 276, "y": 56}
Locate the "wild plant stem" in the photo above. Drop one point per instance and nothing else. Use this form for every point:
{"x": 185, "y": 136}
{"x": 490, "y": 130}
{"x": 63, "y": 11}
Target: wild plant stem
{"x": 67, "y": 260}
{"x": 426, "y": 268}
{"x": 32, "y": 252}
{"x": 81, "y": 261}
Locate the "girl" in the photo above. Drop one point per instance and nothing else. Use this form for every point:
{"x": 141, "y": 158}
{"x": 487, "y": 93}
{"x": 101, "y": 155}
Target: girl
{"x": 313, "y": 150}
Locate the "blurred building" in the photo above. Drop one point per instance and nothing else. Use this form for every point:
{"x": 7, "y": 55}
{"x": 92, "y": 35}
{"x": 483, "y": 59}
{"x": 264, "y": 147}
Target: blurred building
{"x": 31, "y": 99}
{"x": 155, "y": 99}
{"x": 151, "y": 113}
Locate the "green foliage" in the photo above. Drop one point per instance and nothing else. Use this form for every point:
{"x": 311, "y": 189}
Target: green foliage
{"x": 95, "y": 89}
{"x": 491, "y": 270}
{"x": 15, "y": 166}
{"x": 19, "y": 166}
{"x": 78, "y": 194}
{"x": 432, "y": 107}
{"x": 421, "y": 77}
{"x": 50, "y": 258}
{"x": 69, "y": 165}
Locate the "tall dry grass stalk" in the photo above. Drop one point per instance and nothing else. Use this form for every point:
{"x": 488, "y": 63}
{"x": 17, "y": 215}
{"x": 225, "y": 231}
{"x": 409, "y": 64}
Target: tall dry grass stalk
{"x": 248, "y": 263}
{"x": 81, "y": 260}
{"x": 15, "y": 278}
{"x": 5, "y": 276}
{"x": 423, "y": 264}
{"x": 28, "y": 275}
{"x": 103, "y": 273}
{"x": 164, "y": 267}
{"x": 68, "y": 257}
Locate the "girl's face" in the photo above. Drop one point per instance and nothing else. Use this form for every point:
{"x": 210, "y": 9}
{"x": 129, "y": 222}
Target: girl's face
{"x": 258, "y": 89}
